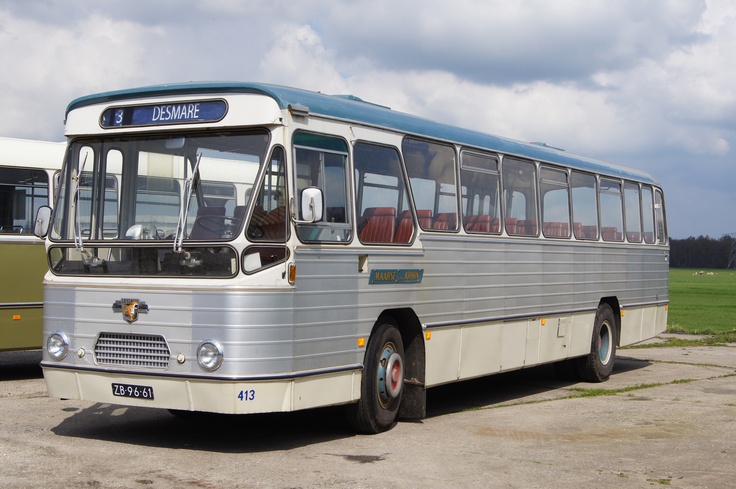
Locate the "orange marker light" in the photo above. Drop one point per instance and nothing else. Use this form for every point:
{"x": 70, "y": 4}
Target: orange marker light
{"x": 292, "y": 273}
{"x": 16, "y": 317}
{"x": 428, "y": 335}
{"x": 361, "y": 342}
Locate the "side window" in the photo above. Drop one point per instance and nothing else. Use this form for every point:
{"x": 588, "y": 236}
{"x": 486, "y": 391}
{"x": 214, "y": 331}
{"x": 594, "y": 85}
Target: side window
{"x": 584, "y": 206}
{"x": 113, "y": 174}
{"x": 555, "y": 195}
{"x": 520, "y": 197}
{"x": 321, "y": 162}
{"x": 83, "y": 219}
{"x": 22, "y": 192}
{"x": 659, "y": 216}
{"x": 383, "y": 211}
{"x": 647, "y": 213}
{"x": 268, "y": 221}
{"x": 632, "y": 206}
{"x": 611, "y": 210}
{"x": 480, "y": 179}
{"x": 431, "y": 169}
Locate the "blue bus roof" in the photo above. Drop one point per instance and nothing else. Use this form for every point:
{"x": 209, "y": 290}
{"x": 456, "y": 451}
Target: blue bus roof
{"x": 353, "y": 109}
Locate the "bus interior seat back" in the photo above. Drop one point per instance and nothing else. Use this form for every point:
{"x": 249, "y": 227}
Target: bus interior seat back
{"x": 445, "y": 221}
{"x": 379, "y": 225}
{"x": 404, "y": 228}
{"x": 274, "y": 223}
{"x": 207, "y": 221}
{"x": 424, "y": 217}
{"x": 484, "y": 224}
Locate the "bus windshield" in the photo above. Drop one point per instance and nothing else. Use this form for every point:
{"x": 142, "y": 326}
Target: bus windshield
{"x": 177, "y": 190}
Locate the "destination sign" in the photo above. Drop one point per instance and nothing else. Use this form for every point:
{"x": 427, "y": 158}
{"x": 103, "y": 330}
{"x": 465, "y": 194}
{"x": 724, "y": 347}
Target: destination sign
{"x": 405, "y": 276}
{"x": 159, "y": 114}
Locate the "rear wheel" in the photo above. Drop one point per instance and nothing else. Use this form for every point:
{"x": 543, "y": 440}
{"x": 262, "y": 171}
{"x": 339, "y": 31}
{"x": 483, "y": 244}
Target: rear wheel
{"x": 382, "y": 383}
{"x": 598, "y": 364}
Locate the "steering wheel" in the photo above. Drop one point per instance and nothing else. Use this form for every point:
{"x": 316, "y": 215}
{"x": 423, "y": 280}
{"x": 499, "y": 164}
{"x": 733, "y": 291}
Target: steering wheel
{"x": 212, "y": 224}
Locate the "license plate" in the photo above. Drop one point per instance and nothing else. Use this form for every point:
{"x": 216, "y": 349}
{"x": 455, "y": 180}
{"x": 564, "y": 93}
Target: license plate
{"x": 134, "y": 391}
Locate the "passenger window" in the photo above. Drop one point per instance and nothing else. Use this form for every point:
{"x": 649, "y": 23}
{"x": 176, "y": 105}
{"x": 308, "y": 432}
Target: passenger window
{"x": 321, "y": 162}
{"x": 384, "y": 214}
{"x": 431, "y": 169}
{"x": 481, "y": 195}
{"x": 632, "y": 206}
{"x": 611, "y": 210}
{"x": 659, "y": 217}
{"x": 555, "y": 196}
{"x": 520, "y": 197}
{"x": 584, "y": 206}
{"x": 647, "y": 208}
{"x": 22, "y": 192}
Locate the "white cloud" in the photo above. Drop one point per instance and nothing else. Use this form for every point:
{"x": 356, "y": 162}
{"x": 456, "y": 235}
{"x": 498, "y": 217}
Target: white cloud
{"x": 645, "y": 83}
{"x": 298, "y": 57}
{"x": 46, "y": 71}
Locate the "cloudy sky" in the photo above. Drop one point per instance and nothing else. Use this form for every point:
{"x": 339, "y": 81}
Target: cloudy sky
{"x": 649, "y": 84}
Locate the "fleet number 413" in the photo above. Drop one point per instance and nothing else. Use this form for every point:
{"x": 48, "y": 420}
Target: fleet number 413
{"x": 247, "y": 395}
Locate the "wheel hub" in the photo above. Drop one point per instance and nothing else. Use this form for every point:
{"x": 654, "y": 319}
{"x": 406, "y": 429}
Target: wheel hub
{"x": 390, "y": 375}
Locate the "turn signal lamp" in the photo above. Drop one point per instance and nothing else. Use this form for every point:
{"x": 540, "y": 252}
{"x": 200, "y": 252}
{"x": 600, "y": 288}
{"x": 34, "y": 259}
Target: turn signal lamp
{"x": 292, "y": 273}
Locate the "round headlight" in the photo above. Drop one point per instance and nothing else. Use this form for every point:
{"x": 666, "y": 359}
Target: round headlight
{"x": 57, "y": 345}
{"x": 209, "y": 355}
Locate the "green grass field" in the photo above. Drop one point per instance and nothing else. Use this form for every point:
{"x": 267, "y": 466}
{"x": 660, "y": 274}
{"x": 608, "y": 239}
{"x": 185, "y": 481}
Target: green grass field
{"x": 703, "y": 303}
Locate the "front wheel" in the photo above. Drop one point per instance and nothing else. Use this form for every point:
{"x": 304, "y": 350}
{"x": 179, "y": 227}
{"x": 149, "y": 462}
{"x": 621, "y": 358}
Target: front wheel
{"x": 598, "y": 365}
{"x": 382, "y": 383}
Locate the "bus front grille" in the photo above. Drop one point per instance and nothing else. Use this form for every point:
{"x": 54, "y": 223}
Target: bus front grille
{"x": 132, "y": 350}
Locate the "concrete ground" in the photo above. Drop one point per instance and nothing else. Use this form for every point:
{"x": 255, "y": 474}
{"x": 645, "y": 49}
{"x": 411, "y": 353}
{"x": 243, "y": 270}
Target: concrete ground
{"x": 667, "y": 417}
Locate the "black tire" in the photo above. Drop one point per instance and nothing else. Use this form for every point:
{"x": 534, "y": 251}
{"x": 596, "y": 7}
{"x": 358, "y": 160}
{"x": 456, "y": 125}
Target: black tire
{"x": 382, "y": 385}
{"x": 598, "y": 364}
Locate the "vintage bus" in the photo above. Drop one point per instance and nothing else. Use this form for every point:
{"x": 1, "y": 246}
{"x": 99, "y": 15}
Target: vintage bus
{"x": 248, "y": 248}
{"x": 27, "y": 170}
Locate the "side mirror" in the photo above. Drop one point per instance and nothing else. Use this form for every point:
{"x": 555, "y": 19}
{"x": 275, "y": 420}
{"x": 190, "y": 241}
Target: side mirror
{"x": 312, "y": 203}
{"x": 43, "y": 221}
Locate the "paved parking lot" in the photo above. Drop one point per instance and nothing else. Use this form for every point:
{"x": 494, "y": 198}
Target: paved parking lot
{"x": 667, "y": 417}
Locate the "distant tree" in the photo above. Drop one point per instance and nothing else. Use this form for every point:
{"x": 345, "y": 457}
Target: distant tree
{"x": 700, "y": 252}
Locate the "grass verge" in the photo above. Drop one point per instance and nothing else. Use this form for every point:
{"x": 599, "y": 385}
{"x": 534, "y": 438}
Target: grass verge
{"x": 703, "y": 302}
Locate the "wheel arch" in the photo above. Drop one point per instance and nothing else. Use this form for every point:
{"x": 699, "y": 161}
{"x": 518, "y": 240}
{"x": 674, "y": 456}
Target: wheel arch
{"x": 612, "y": 301}
{"x": 414, "y": 399}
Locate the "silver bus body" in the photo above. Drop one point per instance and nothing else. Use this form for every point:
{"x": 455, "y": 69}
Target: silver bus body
{"x": 297, "y": 334}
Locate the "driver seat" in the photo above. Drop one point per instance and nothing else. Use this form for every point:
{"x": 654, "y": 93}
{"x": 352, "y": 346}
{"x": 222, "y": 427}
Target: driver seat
{"x": 207, "y": 222}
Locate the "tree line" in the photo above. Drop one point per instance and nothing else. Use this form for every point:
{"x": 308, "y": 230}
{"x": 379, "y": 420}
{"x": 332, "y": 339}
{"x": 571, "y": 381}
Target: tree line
{"x": 701, "y": 252}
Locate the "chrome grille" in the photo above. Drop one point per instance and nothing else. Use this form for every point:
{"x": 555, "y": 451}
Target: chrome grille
{"x": 132, "y": 350}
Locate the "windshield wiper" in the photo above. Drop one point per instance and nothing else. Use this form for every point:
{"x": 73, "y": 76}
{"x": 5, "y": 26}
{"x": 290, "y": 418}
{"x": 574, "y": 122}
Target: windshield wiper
{"x": 184, "y": 206}
{"x": 88, "y": 259}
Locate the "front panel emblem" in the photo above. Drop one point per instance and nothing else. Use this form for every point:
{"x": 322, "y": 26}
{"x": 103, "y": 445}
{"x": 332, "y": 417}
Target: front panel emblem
{"x": 130, "y": 308}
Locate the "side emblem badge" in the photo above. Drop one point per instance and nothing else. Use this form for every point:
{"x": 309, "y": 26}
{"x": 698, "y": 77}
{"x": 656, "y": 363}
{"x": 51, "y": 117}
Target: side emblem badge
{"x": 130, "y": 308}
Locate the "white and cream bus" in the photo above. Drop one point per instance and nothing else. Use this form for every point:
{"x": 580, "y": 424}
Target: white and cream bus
{"x": 27, "y": 170}
{"x": 247, "y": 248}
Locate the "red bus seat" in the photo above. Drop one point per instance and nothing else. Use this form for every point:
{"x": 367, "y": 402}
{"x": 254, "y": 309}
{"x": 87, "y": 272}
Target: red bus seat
{"x": 379, "y": 224}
